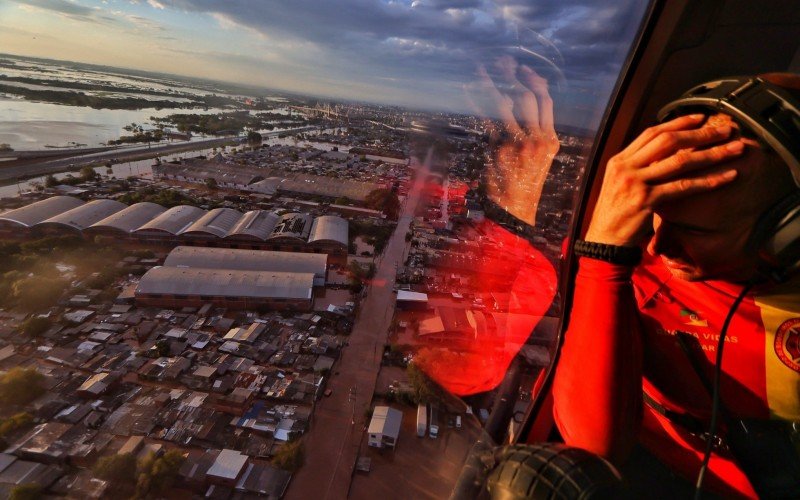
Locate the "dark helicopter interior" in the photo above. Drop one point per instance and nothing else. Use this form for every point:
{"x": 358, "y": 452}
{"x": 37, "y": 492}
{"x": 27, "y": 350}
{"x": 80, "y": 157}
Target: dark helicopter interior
{"x": 682, "y": 45}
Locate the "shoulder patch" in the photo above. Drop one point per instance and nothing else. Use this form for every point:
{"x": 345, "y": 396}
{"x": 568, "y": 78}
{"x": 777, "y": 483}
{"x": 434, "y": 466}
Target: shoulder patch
{"x": 787, "y": 343}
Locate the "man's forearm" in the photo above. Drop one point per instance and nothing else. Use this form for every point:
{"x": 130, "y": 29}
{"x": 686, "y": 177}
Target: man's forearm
{"x": 598, "y": 385}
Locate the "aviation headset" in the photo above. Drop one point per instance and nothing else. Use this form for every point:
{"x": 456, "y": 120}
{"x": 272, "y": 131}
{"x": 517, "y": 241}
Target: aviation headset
{"x": 774, "y": 116}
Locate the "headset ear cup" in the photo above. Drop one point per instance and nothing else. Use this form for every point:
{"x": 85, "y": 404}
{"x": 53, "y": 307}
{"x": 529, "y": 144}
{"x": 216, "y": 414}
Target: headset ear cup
{"x": 776, "y": 237}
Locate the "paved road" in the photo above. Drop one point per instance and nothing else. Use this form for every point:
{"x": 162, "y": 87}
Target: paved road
{"x": 139, "y": 153}
{"x": 122, "y": 155}
{"x": 339, "y": 420}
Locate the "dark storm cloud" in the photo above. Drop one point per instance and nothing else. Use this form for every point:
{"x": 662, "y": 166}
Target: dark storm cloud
{"x": 428, "y": 41}
{"x": 128, "y": 24}
{"x": 451, "y": 4}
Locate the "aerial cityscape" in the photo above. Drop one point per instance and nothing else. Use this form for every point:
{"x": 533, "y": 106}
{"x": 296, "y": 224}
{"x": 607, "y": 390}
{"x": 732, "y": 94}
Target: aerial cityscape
{"x": 213, "y": 287}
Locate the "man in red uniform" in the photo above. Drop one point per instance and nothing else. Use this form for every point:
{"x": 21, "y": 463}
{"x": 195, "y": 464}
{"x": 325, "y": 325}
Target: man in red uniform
{"x": 700, "y": 185}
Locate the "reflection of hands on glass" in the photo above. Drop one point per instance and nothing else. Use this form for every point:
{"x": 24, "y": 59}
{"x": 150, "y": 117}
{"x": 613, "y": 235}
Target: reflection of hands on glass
{"x": 525, "y": 140}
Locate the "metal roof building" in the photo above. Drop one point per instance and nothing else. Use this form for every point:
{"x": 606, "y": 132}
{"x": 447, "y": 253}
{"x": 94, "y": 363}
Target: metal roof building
{"x": 217, "y": 222}
{"x": 228, "y": 466}
{"x": 181, "y": 281}
{"x": 256, "y": 224}
{"x": 329, "y": 228}
{"x": 183, "y": 224}
{"x": 81, "y": 217}
{"x": 197, "y": 170}
{"x": 173, "y": 221}
{"x": 268, "y": 186}
{"x": 249, "y": 260}
{"x": 327, "y": 186}
{"x": 295, "y": 226}
{"x": 384, "y": 428}
{"x": 130, "y": 218}
{"x": 40, "y": 210}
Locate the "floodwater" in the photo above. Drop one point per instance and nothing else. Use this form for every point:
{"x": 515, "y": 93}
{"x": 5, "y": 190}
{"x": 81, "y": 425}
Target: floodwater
{"x": 28, "y": 125}
{"x": 140, "y": 168}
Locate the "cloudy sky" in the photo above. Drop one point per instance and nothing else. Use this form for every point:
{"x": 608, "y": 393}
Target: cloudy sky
{"x": 417, "y": 53}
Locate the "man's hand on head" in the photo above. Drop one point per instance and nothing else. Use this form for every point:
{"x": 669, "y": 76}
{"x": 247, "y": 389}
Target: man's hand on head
{"x": 667, "y": 162}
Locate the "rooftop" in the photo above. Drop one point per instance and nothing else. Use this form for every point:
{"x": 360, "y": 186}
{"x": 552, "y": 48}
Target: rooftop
{"x": 217, "y": 222}
{"x": 256, "y": 223}
{"x": 132, "y": 217}
{"x": 41, "y": 210}
{"x": 228, "y": 465}
{"x": 226, "y": 283}
{"x": 85, "y": 215}
{"x": 247, "y": 260}
{"x": 329, "y": 228}
{"x": 175, "y": 220}
{"x": 386, "y": 421}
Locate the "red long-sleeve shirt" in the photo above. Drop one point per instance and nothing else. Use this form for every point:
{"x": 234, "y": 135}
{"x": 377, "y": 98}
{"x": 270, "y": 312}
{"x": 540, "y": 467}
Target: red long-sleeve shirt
{"x": 622, "y": 341}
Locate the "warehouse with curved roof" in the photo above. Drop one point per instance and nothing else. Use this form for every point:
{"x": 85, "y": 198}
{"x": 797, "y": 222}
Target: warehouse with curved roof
{"x": 255, "y": 224}
{"x": 215, "y": 223}
{"x": 181, "y": 225}
{"x": 127, "y": 220}
{"x": 329, "y": 229}
{"x": 292, "y": 226}
{"x": 79, "y": 218}
{"x": 173, "y": 221}
{"x": 249, "y": 260}
{"x": 38, "y": 211}
{"x": 192, "y": 287}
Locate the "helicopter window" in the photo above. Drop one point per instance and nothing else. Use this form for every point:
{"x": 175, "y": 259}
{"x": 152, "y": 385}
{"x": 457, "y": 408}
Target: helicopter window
{"x": 434, "y": 150}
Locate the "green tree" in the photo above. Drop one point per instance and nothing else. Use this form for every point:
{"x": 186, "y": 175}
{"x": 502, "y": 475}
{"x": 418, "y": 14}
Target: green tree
{"x": 290, "y": 457}
{"x": 358, "y": 275}
{"x": 384, "y": 200}
{"x": 211, "y": 183}
{"x": 155, "y": 475}
{"x": 50, "y": 181}
{"x": 88, "y": 174}
{"x": 103, "y": 279}
{"x": 25, "y": 492}
{"x": 15, "y": 422}
{"x": 425, "y": 389}
{"x": 162, "y": 347}
{"x": 21, "y": 385}
{"x": 118, "y": 470}
{"x": 36, "y": 293}
{"x": 35, "y": 326}
{"x": 254, "y": 138}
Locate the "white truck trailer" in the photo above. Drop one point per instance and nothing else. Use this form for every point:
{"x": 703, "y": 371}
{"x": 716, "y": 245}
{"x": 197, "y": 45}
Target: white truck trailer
{"x": 422, "y": 420}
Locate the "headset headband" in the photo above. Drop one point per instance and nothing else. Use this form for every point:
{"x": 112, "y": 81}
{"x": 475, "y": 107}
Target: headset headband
{"x": 766, "y": 109}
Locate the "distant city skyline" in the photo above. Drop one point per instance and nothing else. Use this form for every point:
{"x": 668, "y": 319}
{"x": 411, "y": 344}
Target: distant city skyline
{"x": 416, "y": 53}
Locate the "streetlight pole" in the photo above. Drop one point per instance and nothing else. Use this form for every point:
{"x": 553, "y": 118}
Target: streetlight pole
{"x": 352, "y": 398}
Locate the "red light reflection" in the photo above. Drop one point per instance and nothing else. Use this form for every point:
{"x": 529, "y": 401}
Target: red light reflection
{"x": 487, "y": 290}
